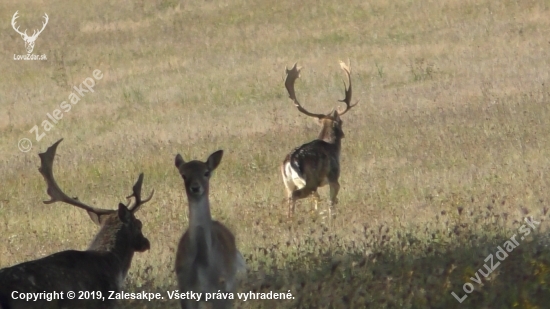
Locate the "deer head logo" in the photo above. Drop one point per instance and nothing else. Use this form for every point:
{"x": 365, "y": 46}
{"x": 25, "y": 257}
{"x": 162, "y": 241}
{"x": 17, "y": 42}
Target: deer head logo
{"x": 29, "y": 40}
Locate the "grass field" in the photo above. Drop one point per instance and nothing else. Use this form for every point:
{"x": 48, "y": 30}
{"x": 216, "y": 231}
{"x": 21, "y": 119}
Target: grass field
{"x": 444, "y": 158}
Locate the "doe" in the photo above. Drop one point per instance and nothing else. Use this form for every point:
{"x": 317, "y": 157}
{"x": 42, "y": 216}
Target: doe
{"x": 207, "y": 259}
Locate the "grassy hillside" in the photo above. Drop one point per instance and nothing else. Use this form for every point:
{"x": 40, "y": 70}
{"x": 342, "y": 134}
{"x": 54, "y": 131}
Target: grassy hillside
{"x": 444, "y": 158}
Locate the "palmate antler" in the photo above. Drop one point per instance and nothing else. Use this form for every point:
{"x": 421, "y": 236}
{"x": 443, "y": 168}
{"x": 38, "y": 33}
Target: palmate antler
{"x": 57, "y": 195}
{"x": 347, "y": 98}
{"x": 291, "y": 76}
{"x": 294, "y": 74}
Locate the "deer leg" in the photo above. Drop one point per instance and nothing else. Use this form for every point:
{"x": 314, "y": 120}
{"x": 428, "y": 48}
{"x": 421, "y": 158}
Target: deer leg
{"x": 291, "y": 202}
{"x": 300, "y": 194}
{"x": 187, "y": 281}
{"x": 316, "y": 198}
{"x": 291, "y": 205}
{"x": 290, "y": 187}
{"x": 334, "y": 188}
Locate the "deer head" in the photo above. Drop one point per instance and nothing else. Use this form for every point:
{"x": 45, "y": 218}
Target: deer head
{"x": 330, "y": 122}
{"x": 101, "y": 217}
{"x": 196, "y": 174}
{"x": 29, "y": 40}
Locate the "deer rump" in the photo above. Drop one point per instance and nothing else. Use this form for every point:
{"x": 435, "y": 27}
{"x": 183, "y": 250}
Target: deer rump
{"x": 312, "y": 164}
{"x": 64, "y": 271}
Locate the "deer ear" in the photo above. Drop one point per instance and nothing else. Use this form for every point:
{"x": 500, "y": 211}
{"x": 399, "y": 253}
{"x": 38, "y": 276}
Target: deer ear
{"x": 99, "y": 218}
{"x": 124, "y": 214}
{"x": 214, "y": 160}
{"x": 95, "y": 218}
{"x": 179, "y": 160}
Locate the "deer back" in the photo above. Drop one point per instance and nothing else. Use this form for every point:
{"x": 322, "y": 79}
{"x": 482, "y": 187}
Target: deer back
{"x": 313, "y": 163}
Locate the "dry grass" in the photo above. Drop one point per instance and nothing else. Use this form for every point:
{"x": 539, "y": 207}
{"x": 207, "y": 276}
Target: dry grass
{"x": 444, "y": 157}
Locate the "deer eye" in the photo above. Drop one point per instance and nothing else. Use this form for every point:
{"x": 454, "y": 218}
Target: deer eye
{"x": 207, "y": 174}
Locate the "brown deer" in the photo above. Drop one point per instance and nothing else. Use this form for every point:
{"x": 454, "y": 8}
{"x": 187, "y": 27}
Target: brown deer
{"x": 100, "y": 269}
{"x": 207, "y": 259}
{"x": 316, "y": 163}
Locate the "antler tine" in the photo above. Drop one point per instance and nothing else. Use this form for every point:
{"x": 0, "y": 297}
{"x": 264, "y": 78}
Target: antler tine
{"x": 291, "y": 76}
{"x": 137, "y": 195}
{"x": 53, "y": 190}
{"x": 347, "y": 98}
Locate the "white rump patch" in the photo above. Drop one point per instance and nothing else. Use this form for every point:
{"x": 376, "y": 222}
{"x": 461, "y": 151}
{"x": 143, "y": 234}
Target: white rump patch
{"x": 293, "y": 177}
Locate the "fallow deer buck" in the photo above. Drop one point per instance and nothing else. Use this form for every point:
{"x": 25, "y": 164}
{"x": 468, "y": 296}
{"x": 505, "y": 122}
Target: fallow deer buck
{"x": 100, "y": 269}
{"x": 207, "y": 259}
{"x": 316, "y": 163}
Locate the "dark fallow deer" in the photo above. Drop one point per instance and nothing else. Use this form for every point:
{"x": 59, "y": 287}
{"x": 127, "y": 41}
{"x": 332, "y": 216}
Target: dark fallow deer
{"x": 316, "y": 163}
{"x": 100, "y": 269}
{"x": 207, "y": 259}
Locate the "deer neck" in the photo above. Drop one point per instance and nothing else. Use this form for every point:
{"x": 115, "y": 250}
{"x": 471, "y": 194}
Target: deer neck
{"x": 200, "y": 226}
{"x": 114, "y": 238}
{"x": 330, "y": 134}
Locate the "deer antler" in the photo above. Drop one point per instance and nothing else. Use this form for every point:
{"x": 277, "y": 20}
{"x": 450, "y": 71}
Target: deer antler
{"x": 347, "y": 98}
{"x": 291, "y": 76}
{"x": 13, "y": 25}
{"x": 137, "y": 195}
{"x": 56, "y": 194}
